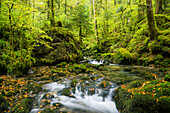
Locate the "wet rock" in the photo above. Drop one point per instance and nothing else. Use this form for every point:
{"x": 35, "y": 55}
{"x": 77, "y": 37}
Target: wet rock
{"x": 73, "y": 83}
{"x": 127, "y": 69}
{"x": 91, "y": 91}
{"x": 48, "y": 96}
{"x": 105, "y": 84}
{"x": 66, "y": 92}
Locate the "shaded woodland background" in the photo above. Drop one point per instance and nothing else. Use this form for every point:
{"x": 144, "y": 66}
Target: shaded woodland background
{"x": 45, "y": 32}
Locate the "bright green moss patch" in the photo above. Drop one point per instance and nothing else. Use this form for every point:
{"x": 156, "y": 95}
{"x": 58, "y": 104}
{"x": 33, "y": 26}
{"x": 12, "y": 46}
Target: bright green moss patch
{"x": 143, "y": 97}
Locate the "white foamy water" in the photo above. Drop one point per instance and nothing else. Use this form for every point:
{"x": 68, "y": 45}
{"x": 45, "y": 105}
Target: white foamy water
{"x": 82, "y": 101}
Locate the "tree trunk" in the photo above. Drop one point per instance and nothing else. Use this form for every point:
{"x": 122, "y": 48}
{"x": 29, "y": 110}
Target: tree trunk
{"x": 52, "y": 14}
{"x": 33, "y": 11}
{"x": 80, "y": 34}
{"x": 107, "y": 18}
{"x": 11, "y": 28}
{"x": 0, "y": 6}
{"x": 65, "y": 6}
{"x": 151, "y": 21}
{"x": 114, "y": 2}
{"x": 48, "y": 12}
{"x": 95, "y": 21}
{"x": 159, "y": 8}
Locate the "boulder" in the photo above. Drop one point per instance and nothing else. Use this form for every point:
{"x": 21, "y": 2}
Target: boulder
{"x": 62, "y": 47}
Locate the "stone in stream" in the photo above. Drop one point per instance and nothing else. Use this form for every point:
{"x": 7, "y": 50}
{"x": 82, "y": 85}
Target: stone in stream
{"x": 104, "y": 93}
{"x": 48, "y": 96}
{"x": 127, "y": 69}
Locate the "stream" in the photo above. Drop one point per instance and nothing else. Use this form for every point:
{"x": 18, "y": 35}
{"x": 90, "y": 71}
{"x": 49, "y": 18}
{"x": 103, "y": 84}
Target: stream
{"x": 88, "y": 96}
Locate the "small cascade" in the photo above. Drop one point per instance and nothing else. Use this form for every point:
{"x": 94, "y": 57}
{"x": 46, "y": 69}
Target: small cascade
{"x": 86, "y": 99}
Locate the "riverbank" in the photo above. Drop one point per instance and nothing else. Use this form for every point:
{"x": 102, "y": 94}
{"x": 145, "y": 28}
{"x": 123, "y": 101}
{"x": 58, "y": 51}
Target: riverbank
{"x": 17, "y": 87}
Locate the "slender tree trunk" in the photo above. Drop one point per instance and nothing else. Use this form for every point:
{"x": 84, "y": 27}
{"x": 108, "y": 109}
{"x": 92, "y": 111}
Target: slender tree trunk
{"x": 159, "y": 8}
{"x": 48, "y": 12}
{"x": 58, "y": 4}
{"x": 0, "y": 5}
{"x": 95, "y": 21}
{"x": 33, "y": 11}
{"x": 65, "y": 6}
{"x": 80, "y": 34}
{"x": 52, "y": 14}
{"x": 11, "y": 28}
{"x": 20, "y": 48}
{"x": 151, "y": 21}
{"x": 114, "y": 2}
{"x": 107, "y": 18}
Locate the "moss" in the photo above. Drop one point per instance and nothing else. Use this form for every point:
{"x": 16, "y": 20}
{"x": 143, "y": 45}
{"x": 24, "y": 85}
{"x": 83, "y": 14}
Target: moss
{"x": 56, "y": 78}
{"x": 23, "y": 107}
{"x": 34, "y": 87}
{"x": 105, "y": 84}
{"x": 63, "y": 64}
{"x": 45, "y": 78}
{"x": 80, "y": 68}
{"x": 167, "y": 77}
{"x": 73, "y": 83}
{"x": 48, "y": 111}
{"x": 127, "y": 69}
{"x": 84, "y": 78}
{"x": 66, "y": 92}
{"x": 3, "y": 104}
{"x": 143, "y": 97}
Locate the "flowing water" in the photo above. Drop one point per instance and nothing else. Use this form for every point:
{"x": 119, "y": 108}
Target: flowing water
{"x": 88, "y": 97}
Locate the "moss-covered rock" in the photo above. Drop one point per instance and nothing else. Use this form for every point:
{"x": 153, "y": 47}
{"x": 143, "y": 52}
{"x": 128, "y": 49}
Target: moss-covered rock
{"x": 66, "y": 92}
{"x": 22, "y": 107}
{"x": 73, "y": 83}
{"x": 3, "y": 104}
{"x": 105, "y": 84}
{"x": 34, "y": 87}
{"x": 63, "y": 47}
{"x": 143, "y": 97}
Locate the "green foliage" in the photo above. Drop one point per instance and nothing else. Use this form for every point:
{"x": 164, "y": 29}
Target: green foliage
{"x": 167, "y": 77}
{"x": 80, "y": 19}
{"x": 22, "y": 107}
